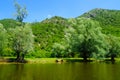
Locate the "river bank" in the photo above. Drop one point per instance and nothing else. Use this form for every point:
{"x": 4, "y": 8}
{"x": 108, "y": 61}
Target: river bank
{"x": 52, "y": 60}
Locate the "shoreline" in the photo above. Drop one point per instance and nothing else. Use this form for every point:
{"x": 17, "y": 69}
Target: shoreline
{"x": 11, "y": 60}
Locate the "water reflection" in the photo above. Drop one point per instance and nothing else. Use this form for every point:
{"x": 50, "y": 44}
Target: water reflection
{"x": 67, "y": 71}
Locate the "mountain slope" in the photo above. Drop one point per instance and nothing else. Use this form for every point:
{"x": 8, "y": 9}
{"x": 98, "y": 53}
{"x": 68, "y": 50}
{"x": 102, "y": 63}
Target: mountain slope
{"x": 104, "y": 16}
{"x": 9, "y": 23}
{"x": 108, "y": 19}
{"x": 47, "y": 33}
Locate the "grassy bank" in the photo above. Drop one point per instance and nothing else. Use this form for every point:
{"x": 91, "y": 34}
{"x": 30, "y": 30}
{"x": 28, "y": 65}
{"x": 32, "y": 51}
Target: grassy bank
{"x": 41, "y": 60}
{"x": 52, "y": 60}
{"x": 29, "y": 60}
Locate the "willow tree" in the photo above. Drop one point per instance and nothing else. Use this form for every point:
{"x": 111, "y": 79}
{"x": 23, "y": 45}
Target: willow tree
{"x": 3, "y": 39}
{"x": 21, "y": 12}
{"x": 85, "y": 37}
{"x": 114, "y": 47}
{"x": 22, "y": 41}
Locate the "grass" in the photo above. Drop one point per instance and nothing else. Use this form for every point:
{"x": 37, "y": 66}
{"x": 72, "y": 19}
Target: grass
{"x": 52, "y": 60}
{"x": 41, "y": 60}
{"x": 28, "y": 60}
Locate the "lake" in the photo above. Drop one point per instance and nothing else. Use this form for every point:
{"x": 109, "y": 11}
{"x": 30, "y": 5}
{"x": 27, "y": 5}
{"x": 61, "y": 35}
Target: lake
{"x": 65, "y": 71}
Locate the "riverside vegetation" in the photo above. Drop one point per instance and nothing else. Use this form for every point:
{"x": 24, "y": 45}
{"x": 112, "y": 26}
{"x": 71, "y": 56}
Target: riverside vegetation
{"x": 95, "y": 34}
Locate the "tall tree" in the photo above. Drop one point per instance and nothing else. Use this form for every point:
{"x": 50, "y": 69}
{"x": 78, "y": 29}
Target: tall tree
{"x": 86, "y": 38}
{"x": 114, "y": 47}
{"x": 22, "y": 41}
{"x": 21, "y": 12}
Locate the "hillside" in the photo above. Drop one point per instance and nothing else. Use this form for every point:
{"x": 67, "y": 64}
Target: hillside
{"x": 108, "y": 19}
{"x": 50, "y": 31}
{"x": 9, "y": 23}
{"x": 47, "y": 33}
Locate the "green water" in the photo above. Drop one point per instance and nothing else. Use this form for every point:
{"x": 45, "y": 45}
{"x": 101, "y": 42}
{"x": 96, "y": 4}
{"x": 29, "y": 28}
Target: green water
{"x": 66, "y": 71}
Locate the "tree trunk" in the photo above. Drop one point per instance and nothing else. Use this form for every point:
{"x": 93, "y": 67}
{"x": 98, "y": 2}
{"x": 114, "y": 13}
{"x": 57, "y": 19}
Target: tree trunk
{"x": 22, "y": 58}
{"x": 112, "y": 58}
{"x": 18, "y": 56}
{"x": 84, "y": 57}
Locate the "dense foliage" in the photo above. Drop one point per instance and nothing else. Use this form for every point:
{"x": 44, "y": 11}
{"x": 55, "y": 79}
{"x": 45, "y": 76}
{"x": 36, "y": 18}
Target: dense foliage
{"x": 3, "y": 40}
{"x": 22, "y": 41}
{"x": 94, "y": 34}
{"x": 114, "y": 47}
{"x": 83, "y": 36}
{"x": 9, "y": 23}
{"x": 46, "y": 34}
{"x": 108, "y": 19}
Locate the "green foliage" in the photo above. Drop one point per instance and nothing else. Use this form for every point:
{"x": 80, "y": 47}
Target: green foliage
{"x": 9, "y": 23}
{"x": 3, "y": 40}
{"x": 85, "y": 37}
{"x": 111, "y": 30}
{"x": 108, "y": 19}
{"x": 47, "y": 33}
{"x": 91, "y": 36}
{"x": 22, "y": 40}
{"x": 114, "y": 46}
{"x": 58, "y": 50}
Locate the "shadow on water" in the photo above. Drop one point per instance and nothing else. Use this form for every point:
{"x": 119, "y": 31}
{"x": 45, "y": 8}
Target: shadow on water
{"x": 11, "y": 60}
{"x": 110, "y": 62}
{"x": 78, "y": 60}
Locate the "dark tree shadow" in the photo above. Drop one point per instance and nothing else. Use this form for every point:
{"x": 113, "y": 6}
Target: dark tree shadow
{"x": 12, "y": 60}
{"x": 78, "y": 60}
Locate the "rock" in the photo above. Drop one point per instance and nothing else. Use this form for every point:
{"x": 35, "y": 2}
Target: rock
{"x": 59, "y": 60}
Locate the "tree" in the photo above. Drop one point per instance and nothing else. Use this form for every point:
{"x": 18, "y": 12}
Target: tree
{"x": 21, "y": 12}
{"x": 58, "y": 50}
{"x": 85, "y": 36}
{"x": 3, "y": 39}
{"x": 22, "y": 41}
{"x": 114, "y": 47}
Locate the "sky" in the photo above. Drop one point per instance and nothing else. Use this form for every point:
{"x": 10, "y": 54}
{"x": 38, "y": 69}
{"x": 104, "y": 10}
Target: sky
{"x": 39, "y": 10}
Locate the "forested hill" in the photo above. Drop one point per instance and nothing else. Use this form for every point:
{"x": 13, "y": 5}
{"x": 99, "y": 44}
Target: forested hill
{"x": 108, "y": 19}
{"x": 105, "y": 17}
{"x": 50, "y": 31}
{"x": 9, "y": 23}
{"x": 56, "y": 20}
{"x": 47, "y": 33}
